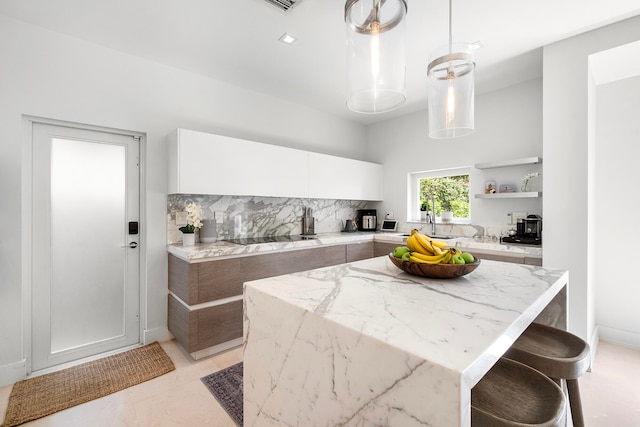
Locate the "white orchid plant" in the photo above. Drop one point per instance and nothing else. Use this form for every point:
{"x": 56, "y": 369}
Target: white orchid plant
{"x": 526, "y": 179}
{"x": 194, "y": 218}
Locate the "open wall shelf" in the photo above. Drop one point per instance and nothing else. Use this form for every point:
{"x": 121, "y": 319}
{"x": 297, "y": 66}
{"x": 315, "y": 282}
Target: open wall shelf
{"x": 506, "y": 163}
{"x": 520, "y": 195}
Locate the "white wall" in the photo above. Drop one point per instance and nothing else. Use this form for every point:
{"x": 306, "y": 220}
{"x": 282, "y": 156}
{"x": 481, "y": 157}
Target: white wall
{"x": 617, "y": 150}
{"x": 508, "y": 125}
{"x": 54, "y": 76}
{"x": 566, "y": 172}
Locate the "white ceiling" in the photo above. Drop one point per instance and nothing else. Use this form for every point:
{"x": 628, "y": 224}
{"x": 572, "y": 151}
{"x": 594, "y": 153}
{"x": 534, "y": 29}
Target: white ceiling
{"x": 237, "y": 40}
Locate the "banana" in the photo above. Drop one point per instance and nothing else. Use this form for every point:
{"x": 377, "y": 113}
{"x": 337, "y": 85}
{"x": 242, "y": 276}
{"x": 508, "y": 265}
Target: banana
{"x": 452, "y": 251}
{"x": 429, "y": 259}
{"x": 436, "y": 249}
{"x": 439, "y": 243}
{"x": 416, "y": 245}
{"x": 447, "y": 257}
{"x": 424, "y": 248}
{"x": 411, "y": 243}
{"x": 423, "y": 261}
{"x": 425, "y": 242}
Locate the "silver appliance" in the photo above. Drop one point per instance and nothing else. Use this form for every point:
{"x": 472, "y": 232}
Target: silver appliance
{"x": 367, "y": 220}
{"x": 308, "y": 223}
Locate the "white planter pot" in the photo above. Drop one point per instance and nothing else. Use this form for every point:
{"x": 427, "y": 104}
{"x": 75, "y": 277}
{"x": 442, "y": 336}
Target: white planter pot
{"x": 188, "y": 239}
{"x": 446, "y": 216}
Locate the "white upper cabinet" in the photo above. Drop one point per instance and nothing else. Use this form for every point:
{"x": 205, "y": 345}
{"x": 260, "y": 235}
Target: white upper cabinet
{"x": 202, "y": 163}
{"x": 332, "y": 177}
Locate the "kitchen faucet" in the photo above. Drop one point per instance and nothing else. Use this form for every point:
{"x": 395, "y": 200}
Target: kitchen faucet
{"x": 431, "y": 216}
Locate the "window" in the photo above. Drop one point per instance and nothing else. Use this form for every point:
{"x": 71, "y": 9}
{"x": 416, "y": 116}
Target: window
{"x": 450, "y": 189}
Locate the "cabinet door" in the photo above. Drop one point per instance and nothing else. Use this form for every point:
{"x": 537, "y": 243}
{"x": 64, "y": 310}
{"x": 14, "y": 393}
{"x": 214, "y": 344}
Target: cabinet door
{"x": 183, "y": 279}
{"x": 332, "y": 177}
{"x": 202, "y": 163}
{"x": 358, "y": 251}
{"x": 218, "y": 324}
{"x": 512, "y": 258}
{"x": 206, "y": 327}
{"x": 380, "y": 248}
{"x": 270, "y": 265}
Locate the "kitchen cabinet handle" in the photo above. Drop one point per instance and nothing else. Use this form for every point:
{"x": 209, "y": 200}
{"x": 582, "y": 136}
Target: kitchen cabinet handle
{"x": 132, "y": 245}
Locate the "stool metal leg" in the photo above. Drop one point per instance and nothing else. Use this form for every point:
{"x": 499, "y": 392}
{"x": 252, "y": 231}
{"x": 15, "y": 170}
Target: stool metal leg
{"x": 574, "y": 403}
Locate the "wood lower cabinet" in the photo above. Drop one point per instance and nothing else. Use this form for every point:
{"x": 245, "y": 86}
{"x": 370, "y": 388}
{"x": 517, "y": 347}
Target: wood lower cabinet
{"x": 205, "y": 303}
{"x": 359, "y": 251}
{"x": 205, "y": 327}
{"x": 197, "y": 283}
{"x": 506, "y": 257}
{"x": 382, "y": 248}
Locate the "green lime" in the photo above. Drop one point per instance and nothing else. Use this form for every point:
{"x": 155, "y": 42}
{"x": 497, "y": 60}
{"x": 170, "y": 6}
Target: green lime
{"x": 467, "y": 257}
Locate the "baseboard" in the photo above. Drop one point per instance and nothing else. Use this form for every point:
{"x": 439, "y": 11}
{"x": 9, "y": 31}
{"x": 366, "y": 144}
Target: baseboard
{"x": 594, "y": 341}
{"x": 209, "y": 351}
{"x": 619, "y": 336}
{"x": 13, "y": 372}
{"x": 157, "y": 334}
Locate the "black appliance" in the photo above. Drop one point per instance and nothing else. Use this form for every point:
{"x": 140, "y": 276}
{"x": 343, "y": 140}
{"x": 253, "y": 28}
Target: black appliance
{"x": 367, "y": 220}
{"x": 529, "y": 231}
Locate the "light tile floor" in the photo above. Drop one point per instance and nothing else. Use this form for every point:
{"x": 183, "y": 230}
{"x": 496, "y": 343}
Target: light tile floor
{"x": 175, "y": 399}
{"x": 610, "y": 395}
{"x": 610, "y": 392}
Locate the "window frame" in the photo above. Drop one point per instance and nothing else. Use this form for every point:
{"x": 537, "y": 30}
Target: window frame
{"x": 413, "y": 192}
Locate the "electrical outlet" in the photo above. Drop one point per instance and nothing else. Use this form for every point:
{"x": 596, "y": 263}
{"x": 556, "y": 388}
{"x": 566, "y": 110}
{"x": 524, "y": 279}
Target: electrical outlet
{"x": 181, "y": 218}
{"x": 219, "y": 215}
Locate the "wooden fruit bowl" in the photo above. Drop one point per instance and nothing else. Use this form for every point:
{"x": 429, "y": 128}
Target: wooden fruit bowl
{"x": 434, "y": 271}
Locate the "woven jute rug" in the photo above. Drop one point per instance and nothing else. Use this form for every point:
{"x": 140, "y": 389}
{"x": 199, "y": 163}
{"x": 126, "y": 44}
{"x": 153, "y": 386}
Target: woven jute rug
{"x": 226, "y": 387}
{"x": 44, "y": 395}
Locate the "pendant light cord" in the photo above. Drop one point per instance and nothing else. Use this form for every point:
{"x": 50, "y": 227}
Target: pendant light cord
{"x": 450, "y": 31}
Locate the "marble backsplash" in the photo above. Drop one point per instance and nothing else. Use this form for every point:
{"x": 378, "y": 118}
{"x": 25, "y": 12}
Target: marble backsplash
{"x": 245, "y": 216}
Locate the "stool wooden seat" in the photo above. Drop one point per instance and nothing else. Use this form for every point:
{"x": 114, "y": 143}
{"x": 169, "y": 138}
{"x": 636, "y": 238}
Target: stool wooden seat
{"x": 558, "y": 354}
{"x": 513, "y": 394}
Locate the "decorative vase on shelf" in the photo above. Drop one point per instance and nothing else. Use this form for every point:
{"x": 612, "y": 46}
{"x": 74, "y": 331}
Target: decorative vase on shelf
{"x": 188, "y": 239}
{"x": 525, "y": 180}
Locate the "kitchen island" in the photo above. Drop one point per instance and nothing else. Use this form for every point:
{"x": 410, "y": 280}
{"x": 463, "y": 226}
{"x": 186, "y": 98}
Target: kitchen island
{"x": 363, "y": 343}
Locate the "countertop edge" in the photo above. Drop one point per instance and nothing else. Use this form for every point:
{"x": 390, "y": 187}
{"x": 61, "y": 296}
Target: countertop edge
{"x": 202, "y": 252}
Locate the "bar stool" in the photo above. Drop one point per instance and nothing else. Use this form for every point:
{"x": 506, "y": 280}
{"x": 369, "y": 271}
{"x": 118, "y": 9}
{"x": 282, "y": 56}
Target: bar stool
{"x": 559, "y": 355}
{"x": 513, "y": 394}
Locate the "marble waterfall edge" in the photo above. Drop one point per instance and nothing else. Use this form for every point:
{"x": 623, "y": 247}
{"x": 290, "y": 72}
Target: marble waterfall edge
{"x": 365, "y": 344}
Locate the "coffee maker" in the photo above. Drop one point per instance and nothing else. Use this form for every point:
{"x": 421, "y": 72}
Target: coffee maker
{"x": 367, "y": 220}
{"x": 529, "y": 231}
{"x": 532, "y": 225}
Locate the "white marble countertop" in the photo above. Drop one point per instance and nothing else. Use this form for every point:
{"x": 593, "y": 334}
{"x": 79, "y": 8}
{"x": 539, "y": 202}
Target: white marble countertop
{"x": 441, "y": 336}
{"x": 223, "y": 249}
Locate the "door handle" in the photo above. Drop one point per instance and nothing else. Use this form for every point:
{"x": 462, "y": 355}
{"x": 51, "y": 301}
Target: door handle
{"x": 132, "y": 245}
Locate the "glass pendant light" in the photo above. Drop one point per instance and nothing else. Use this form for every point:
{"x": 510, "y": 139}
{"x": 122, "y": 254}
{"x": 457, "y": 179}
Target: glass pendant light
{"x": 375, "y": 54}
{"x": 451, "y": 84}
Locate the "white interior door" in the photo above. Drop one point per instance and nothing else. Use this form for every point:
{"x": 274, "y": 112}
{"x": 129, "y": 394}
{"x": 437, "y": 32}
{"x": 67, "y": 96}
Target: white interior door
{"x": 86, "y": 258}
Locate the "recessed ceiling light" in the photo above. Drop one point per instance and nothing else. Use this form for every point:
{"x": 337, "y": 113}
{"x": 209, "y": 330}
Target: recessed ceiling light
{"x": 287, "y": 38}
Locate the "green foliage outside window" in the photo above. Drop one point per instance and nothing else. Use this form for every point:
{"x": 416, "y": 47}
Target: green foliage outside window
{"x": 451, "y": 194}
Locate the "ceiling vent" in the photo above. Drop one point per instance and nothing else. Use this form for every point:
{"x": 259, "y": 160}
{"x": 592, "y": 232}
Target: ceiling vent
{"x": 283, "y": 5}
